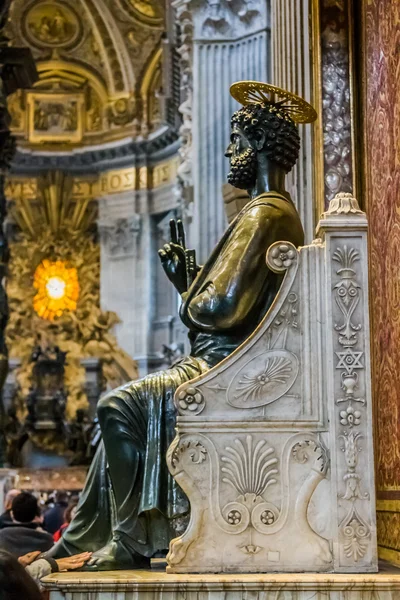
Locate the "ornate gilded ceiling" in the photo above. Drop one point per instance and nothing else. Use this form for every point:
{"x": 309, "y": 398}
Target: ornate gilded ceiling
{"x": 99, "y": 63}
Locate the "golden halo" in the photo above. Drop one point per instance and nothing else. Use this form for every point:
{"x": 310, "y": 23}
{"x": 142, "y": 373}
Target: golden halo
{"x": 256, "y": 92}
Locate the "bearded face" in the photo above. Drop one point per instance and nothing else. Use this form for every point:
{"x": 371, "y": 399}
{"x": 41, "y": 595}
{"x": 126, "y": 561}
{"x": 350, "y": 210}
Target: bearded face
{"x": 243, "y": 173}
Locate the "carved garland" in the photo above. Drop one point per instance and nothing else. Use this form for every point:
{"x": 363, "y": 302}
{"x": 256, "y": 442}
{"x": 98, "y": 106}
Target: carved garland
{"x": 349, "y": 363}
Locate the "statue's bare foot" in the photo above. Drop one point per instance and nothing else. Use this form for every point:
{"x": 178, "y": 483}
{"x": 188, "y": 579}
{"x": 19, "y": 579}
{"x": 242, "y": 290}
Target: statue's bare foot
{"x": 116, "y": 555}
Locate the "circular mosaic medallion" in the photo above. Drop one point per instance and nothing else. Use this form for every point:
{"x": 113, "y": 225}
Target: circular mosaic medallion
{"x": 50, "y": 24}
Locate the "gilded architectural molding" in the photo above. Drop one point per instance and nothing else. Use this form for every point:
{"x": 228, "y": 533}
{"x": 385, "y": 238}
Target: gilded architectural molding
{"x": 91, "y": 71}
{"x": 17, "y": 70}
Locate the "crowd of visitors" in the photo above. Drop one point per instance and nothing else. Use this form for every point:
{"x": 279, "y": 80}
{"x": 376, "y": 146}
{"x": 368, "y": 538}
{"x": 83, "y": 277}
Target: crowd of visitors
{"x": 26, "y": 532}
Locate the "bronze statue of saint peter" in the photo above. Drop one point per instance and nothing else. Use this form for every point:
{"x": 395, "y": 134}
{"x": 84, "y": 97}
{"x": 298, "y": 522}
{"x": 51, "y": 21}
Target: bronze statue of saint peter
{"x": 130, "y": 501}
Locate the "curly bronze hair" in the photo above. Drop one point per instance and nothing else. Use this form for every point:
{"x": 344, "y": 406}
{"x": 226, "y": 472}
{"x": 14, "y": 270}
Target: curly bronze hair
{"x": 283, "y": 142}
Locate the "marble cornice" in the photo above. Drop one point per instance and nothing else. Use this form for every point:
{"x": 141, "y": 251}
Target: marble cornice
{"x": 223, "y": 20}
{"x": 294, "y": 584}
{"x": 100, "y": 158}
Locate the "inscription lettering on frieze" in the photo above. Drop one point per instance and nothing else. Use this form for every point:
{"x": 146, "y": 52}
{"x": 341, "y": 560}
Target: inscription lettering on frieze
{"x": 111, "y": 182}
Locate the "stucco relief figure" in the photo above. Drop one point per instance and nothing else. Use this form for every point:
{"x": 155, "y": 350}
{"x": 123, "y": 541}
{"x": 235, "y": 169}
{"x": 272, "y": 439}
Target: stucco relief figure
{"x": 130, "y": 500}
{"x": 55, "y": 117}
{"x": 41, "y": 122}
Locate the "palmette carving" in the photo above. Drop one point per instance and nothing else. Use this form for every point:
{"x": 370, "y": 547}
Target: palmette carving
{"x": 237, "y": 496}
{"x": 356, "y": 533}
{"x": 248, "y": 471}
{"x": 347, "y": 294}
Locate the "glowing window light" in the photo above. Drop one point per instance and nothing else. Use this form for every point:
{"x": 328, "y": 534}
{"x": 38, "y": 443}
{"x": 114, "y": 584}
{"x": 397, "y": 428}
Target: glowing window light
{"x": 57, "y": 288}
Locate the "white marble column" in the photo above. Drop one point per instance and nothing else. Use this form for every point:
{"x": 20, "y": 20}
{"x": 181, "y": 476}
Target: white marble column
{"x": 129, "y": 260}
{"x": 223, "y": 42}
{"x": 121, "y": 231}
{"x": 291, "y": 70}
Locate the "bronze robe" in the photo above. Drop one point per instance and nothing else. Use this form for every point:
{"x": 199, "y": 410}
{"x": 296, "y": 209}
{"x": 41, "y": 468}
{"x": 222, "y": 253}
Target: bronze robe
{"x": 131, "y": 492}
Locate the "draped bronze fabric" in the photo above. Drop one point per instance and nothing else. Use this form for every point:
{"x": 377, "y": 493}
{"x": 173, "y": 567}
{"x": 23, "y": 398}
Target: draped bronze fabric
{"x": 143, "y": 411}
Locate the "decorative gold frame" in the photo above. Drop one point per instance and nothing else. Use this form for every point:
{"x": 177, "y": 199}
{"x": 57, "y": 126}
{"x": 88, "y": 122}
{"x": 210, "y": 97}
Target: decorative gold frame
{"x": 36, "y": 136}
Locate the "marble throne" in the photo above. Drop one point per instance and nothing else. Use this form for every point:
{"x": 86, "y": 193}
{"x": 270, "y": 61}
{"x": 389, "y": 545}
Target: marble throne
{"x": 274, "y": 445}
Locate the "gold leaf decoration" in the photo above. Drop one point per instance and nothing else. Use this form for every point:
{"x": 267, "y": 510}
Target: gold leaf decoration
{"x": 54, "y": 228}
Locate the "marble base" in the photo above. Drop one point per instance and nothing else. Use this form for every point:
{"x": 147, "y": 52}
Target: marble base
{"x": 158, "y": 585}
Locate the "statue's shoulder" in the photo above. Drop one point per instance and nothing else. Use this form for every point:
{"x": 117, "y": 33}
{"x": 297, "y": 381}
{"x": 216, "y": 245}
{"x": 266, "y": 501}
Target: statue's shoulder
{"x": 270, "y": 204}
{"x": 276, "y": 210}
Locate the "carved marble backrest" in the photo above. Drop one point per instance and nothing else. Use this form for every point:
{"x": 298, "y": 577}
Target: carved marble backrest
{"x": 291, "y": 407}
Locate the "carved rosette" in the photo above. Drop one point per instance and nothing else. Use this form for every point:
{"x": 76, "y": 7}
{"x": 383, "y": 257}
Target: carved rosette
{"x": 193, "y": 448}
{"x": 281, "y": 256}
{"x": 190, "y": 401}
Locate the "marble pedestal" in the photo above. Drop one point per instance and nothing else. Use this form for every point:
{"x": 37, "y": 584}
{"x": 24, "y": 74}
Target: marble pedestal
{"x": 158, "y": 585}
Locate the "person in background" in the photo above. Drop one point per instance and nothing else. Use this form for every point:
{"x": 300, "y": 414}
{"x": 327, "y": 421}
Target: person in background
{"x": 68, "y": 516}
{"x": 54, "y": 517}
{"x": 6, "y": 518}
{"x": 15, "y": 582}
{"x": 25, "y": 533}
